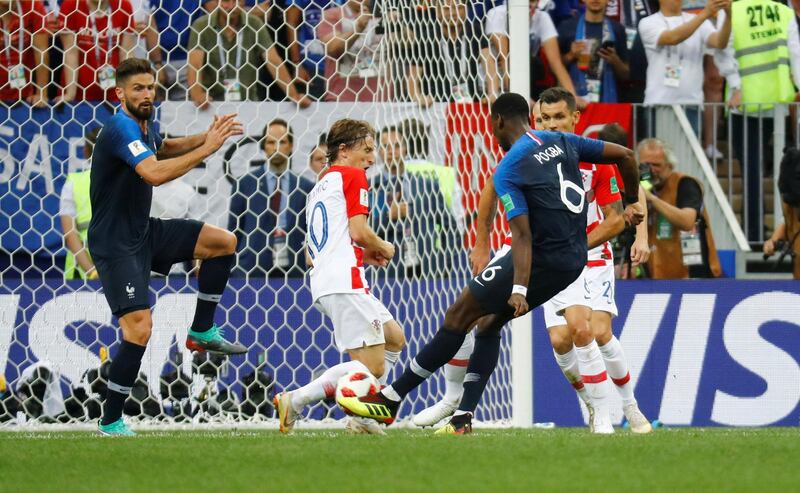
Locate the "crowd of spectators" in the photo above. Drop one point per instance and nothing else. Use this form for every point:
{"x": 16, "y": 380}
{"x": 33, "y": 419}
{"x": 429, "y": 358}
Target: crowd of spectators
{"x": 371, "y": 50}
{"x": 421, "y": 51}
{"x": 367, "y": 50}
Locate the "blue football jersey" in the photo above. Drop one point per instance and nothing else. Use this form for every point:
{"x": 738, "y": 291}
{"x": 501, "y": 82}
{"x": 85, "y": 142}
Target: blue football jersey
{"x": 120, "y": 198}
{"x": 540, "y": 176}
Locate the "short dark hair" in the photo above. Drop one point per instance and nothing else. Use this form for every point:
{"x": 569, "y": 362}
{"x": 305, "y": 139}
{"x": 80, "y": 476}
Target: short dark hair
{"x": 283, "y": 123}
{"x": 389, "y": 130}
{"x": 415, "y": 135}
{"x": 556, "y": 95}
{"x": 132, "y": 66}
{"x": 323, "y": 139}
{"x": 347, "y": 132}
{"x": 511, "y": 105}
{"x": 89, "y": 139}
{"x": 614, "y": 133}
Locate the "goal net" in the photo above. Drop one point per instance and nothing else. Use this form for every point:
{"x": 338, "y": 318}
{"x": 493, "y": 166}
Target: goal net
{"x": 420, "y": 72}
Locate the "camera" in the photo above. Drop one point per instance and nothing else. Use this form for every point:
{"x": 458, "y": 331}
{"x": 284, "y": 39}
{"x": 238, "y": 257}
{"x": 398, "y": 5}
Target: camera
{"x": 645, "y": 176}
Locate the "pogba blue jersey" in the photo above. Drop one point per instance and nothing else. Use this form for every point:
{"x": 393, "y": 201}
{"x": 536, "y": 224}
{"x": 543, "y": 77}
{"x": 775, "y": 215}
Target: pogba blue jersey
{"x": 540, "y": 177}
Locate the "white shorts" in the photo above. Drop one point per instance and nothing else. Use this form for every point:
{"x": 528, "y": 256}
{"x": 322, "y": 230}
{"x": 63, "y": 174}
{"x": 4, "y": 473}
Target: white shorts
{"x": 594, "y": 288}
{"x": 358, "y": 319}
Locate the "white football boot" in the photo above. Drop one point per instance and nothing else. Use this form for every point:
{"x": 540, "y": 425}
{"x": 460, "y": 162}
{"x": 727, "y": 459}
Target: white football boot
{"x": 435, "y": 413}
{"x": 637, "y": 421}
{"x": 363, "y": 426}
{"x": 590, "y": 411}
{"x": 602, "y": 421}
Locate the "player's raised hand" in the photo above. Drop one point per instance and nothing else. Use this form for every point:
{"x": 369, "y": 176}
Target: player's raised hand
{"x": 222, "y": 129}
{"x": 478, "y": 259}
{"x": 519, "y": 304}
{"x": 633, "y": 214}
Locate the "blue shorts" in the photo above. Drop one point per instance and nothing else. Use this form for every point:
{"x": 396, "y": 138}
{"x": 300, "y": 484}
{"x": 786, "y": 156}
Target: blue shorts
{"x": 126, "y": 280}
{"x": 492, "y": 287}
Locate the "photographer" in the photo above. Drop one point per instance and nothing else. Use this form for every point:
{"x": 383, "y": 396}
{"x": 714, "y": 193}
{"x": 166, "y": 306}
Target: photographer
{"x": 682, "y": 245}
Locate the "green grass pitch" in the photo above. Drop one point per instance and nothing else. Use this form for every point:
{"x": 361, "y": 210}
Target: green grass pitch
{"x": 690, "y": 459}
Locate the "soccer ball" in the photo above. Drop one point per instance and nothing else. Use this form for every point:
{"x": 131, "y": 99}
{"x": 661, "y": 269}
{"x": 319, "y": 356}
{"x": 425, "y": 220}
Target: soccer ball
{"x": 357, "y": 384}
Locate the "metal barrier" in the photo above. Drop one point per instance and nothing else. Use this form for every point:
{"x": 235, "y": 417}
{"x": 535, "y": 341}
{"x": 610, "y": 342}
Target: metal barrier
{"x": 744, "y": 150}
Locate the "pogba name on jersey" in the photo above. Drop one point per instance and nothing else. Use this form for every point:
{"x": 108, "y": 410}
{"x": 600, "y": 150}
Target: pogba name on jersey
{"x": 550, "y": 152}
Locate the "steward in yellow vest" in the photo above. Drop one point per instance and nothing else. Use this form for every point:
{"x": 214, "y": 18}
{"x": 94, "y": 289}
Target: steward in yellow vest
{"x": 760, "y": 30}
{"x": 83, "y": 215}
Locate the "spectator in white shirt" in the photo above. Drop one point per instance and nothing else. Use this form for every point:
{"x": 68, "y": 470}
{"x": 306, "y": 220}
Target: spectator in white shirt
{"x": 543, "y": 35}
{"x": 675, "y": 42}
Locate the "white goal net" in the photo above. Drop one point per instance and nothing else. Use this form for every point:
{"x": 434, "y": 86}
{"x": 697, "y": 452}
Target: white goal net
{"x": 417, "y": 70}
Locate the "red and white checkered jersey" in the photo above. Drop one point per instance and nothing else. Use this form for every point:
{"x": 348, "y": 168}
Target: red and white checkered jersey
{"x": 602, "y": 184}
{"x": 340, "y": 194}
{"x": 602, "y": 188}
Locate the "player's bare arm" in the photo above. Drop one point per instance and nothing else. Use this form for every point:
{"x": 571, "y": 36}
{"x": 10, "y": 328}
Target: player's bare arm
{"x": 522, "y": 255}
{"x": 640, "y": 250}
{"x": 178, "y": 146}
{"x": 362, "y": 233}
{"x": 625, "y": 160}
{"x": 610, "y": 227}
{"x": 487, "y": 209}
{"x": 157, "y": 172}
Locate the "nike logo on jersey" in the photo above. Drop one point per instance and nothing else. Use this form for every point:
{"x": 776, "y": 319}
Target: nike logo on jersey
{"x": 549, "y": 153}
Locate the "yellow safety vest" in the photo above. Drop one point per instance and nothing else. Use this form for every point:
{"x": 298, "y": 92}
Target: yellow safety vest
{"x": 83, "y": 207}
{"x": 760, "y": 31}
{"x": 444, "y": 175}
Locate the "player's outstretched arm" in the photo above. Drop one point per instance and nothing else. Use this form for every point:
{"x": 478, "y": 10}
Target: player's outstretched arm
{"x": 362, "y": 234}
{"x": 625, "y": 160}
{"x": 487, "y": 209}
{"x": 178, "y": 146}
{"x": 611, "y": 225}
{"x": 156, "y": 172}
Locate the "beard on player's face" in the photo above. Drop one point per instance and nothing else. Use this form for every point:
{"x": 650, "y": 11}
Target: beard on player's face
{"x": 142, "y": 111}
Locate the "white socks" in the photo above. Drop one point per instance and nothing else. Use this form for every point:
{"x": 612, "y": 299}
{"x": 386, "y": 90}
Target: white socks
{"x": 390, "y": 359}
{"x": 325, "y": 385}
{"x": 617, "y": 366}
{"x": 456, "y": 369}
{"x": 568, "y": 362}
{"x": 593, "y": 373}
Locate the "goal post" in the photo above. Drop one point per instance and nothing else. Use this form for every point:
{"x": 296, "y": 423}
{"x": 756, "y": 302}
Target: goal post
{"x": 427, "y": 73}
{"x": 522, "y": 348}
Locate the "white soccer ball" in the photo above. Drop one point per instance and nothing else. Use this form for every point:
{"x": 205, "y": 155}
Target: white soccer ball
{"x": 357, "y": 384}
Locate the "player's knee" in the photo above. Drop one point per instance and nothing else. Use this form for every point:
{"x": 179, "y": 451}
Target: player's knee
{"x": 560, "y": 342}
{"x": 138, "y": 330}
{"x": 376, "y": 368}
{"x": 582, "y": 332}
{"x": 395, "y": 339}
{"x": 454, "y": 319}
{"x": 602, "y": 334}
{"x": 229, "y": 243}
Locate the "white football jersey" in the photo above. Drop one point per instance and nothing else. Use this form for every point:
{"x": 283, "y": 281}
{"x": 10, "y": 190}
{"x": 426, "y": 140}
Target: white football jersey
{"x": 602, "y": 188}
{"x": 340, "y": 194}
